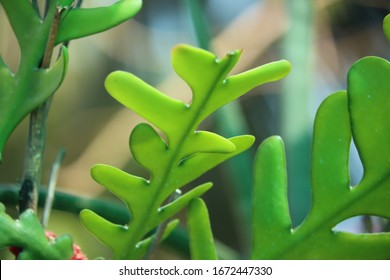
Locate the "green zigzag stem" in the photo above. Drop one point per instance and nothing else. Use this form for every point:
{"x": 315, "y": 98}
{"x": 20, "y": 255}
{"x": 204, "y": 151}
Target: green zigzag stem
{"x": 174, "y": 160}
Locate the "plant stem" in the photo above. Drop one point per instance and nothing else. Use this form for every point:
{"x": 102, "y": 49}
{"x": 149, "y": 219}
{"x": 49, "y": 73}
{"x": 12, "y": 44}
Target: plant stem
{"x": 28, "y": 195}
{"x": 52, "y": 187}
{"x": 33, "y": 159}
{"x": 160, "y": 229}
{"x": 199, "y": 21}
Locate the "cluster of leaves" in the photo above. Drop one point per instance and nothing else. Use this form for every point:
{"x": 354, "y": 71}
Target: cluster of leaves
{"x": 34, "y": 83}
{"x": 182, "y": 154}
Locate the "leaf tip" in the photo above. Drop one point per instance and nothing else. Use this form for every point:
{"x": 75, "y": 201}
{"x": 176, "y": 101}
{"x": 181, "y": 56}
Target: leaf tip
{"x": 64, "y": 60}
{"x": 251, "y": 139}
{"x": 112, "y": 77}
{"x": 386, "y": 27}
{"x": 95, "y": 169}
{"x": 247, "y": 139}
{"x": 272, "y": 141}
{"x": 207, "y": 186}
{"x": 196, "y": 203}
{"x": 284, "y": 66}
{"x": 86, "y": 215}
{"x": 102, "y": 173}
{"x": 115, "y": 83}
{"x": 186, "y": 52}
{"x": 276, "y": 138}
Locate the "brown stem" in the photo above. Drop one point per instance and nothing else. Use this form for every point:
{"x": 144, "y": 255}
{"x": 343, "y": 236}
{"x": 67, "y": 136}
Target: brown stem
{"x": 160, "y": 230}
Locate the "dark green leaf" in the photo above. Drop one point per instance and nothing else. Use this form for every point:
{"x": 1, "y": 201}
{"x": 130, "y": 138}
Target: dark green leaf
{"x": 364, "y": 112}
{"x": 81, "y": 22}
{"x": 27, "y": 233}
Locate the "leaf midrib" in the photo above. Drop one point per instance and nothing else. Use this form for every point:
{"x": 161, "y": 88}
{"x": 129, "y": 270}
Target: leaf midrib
{"x": 174, "y": 159}
{"x": 330, "y": 219}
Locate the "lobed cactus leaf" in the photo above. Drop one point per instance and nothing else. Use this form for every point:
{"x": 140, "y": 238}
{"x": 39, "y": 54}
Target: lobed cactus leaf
{"x": 184, "y": 155}
{"x": 22, "y": 93}
{"x": 27, "y": 233}
{"x": 30, "y": 86}
{"x": 360, "y": 113}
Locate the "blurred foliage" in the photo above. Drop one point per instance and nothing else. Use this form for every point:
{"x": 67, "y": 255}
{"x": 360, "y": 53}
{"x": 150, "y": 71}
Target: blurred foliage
{"x": 94, "y": 128}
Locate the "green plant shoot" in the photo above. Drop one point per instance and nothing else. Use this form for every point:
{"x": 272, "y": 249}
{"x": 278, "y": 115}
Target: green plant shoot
{"x": 183, "y": 154}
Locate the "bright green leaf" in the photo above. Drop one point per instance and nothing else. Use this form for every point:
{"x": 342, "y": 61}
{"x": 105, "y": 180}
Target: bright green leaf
{"x": 207, "y": 142}
{"x": 237, "y": 85}
{"x": 174, "y": 207}
{"x": 143, "y": 246}
{"x": 133, "y": 190}
{"x": 105, "y": 231}
{"x": 194, "y": 166}
{"x": 185, "y": 154}
{"x": 202, "y": 245}
{"x": 156, "y": 107}
{"x": 147, "y": 146}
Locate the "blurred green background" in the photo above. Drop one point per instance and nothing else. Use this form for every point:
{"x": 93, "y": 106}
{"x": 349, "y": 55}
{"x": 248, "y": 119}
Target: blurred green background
{"x": 321, "y": 38}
